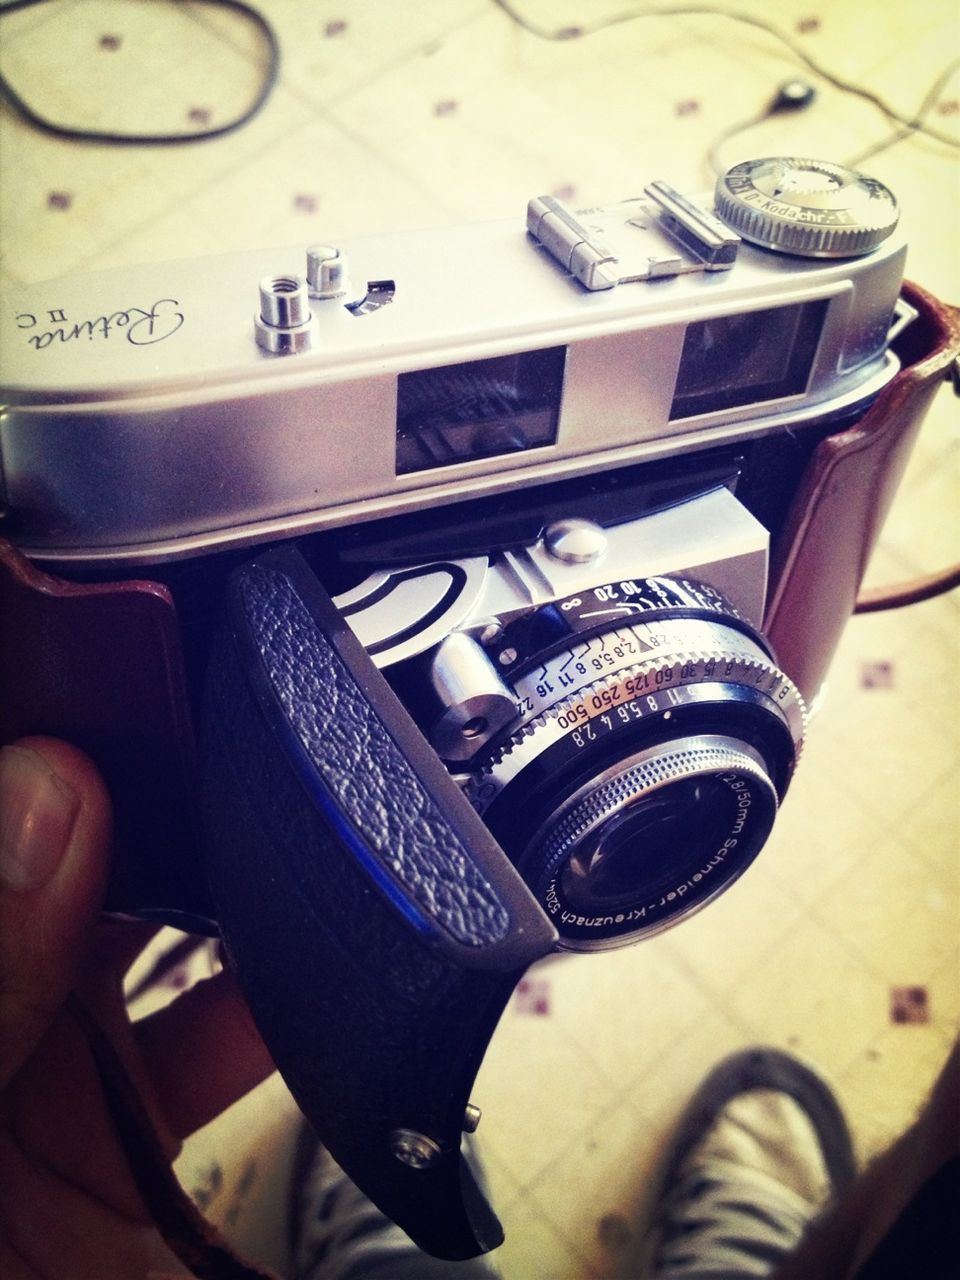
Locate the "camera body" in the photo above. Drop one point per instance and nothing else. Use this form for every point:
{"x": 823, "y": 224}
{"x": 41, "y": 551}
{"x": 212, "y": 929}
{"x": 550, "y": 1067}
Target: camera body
{"x": 424, "y": 626}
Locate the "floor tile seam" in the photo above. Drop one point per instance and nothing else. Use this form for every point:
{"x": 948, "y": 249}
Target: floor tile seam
{"x": 200, "y": 16}
{"x": 669, "y": 1042}
{"x": 920, "y": 709}
{"x": 851, "y": 1078}
{"x": 830, "y": 48}
{"x": 884, "y": 838}
{"x": 590, "y": 1060}
{"x": 333, "y": 102}
{"x": 595, "y": 1064}
{"x": 896, "y": 630}
{"x": 945, "y": 777}
{"x": 615, "y": 1092}
{"x": 9, "y": 281}
{"x": 547, "y": 1174}
{"x": 527, "y": 1198}
{"x": 754, "y": 1024}
{"x": 433, "y": 195}
{"x": 717, "y": 995}
{"x": 867, "y": 789}
{"x": 489, "y": 1153}
{"x": 862, "y": 810}
{"x": 897, "y": 547}
{"x": 574, "y": 1246}
{"x": 907, "y": 636}
{"x": 851, "y": 854}
{"x": 175, "y": 203}
{"x": 533, "y": 1207}
{"x": 249, "y": 159}
{"x": 931, "y": 862}
{"x": 182, "y": 203}
{"x": 943, "y": 1030}
{"x": 867, "y": 961}
{"x": 914, "y": 566}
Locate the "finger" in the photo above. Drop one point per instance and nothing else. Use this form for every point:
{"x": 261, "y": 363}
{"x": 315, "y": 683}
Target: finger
{"x": 202, "y": 1053}
{"x": 54, "y": 848}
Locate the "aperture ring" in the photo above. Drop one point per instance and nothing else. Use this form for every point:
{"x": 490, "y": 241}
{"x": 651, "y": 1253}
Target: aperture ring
{"x": 639, "y": 693}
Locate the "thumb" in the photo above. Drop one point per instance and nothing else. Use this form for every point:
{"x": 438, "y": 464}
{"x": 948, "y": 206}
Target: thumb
{"x": 54, "y": 844}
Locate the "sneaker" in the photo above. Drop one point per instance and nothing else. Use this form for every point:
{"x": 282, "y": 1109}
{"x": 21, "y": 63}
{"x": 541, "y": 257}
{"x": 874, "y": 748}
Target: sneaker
{"x": 761, "y": 1151}
{"x": 336, "y": 1233}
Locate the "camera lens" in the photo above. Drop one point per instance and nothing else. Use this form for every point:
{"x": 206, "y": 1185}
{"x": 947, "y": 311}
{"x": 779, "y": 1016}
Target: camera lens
{"x": 653, "y": 839}
{"x": 654, "y": 738}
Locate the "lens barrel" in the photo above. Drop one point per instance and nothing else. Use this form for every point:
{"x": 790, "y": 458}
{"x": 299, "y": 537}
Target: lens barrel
{"x": 654, "y": 739}
{"x": 654, "y": 838}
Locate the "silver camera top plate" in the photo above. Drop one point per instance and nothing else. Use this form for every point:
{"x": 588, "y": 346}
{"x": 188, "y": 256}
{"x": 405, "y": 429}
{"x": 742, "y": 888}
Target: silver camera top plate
{"x": 163, "y": 411}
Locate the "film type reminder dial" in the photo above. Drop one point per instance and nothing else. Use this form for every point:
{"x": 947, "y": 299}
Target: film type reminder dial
{"x": 654, "y": 738}
{"x": 807, "y": 207}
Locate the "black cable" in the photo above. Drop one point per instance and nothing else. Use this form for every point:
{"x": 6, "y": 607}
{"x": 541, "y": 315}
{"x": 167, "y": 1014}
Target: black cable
{"x": 794, "y": 95}
{"x": 797, "y": 94}
{"x": 267, "y": 85}
{"x": 577, "y": 31}
{"x": 907, "y": 131}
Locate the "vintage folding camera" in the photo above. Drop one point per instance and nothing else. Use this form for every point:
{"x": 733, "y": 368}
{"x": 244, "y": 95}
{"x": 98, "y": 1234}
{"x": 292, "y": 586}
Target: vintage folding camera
{"x": 428, "y": 623}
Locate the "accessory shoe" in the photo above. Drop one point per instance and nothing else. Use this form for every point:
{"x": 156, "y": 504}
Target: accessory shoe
{"x": 761, "y": 1150}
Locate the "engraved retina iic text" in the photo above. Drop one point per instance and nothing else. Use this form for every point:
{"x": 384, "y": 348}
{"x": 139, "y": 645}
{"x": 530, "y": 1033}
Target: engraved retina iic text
{"x": 142, "y": 328}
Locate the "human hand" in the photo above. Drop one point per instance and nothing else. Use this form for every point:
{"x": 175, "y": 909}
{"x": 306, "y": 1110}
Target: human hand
{"x": 69, "y": 1208}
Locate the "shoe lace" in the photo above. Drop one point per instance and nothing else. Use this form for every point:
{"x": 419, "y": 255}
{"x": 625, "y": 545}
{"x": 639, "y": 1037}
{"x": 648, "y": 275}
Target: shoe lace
{"x": 721, "y": 1219}
{"x": 342, "y": 1231}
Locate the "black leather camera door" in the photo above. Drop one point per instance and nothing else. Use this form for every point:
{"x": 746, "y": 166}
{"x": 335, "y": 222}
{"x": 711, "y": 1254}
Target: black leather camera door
{"x": 376, "y": 927}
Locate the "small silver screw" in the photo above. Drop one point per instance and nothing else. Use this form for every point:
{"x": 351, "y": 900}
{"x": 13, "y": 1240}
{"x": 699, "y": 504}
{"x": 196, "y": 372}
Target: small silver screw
{"x": 283, "y": 301}
{"x": 471, "y": 1118}
{"x": 507, "y": 656}
{"x": 415, "y": 1149}
{"x": 283, "y": 324}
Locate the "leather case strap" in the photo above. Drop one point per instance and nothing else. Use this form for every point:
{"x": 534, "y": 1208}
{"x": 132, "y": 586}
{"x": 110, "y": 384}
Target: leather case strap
{"x": 840, "y": 505}
{"x": 188, "y": 1234}
{"x": 100, "y": 664}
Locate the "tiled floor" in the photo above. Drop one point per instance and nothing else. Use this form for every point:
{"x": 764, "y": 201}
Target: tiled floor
{"x": 387, "y": 116}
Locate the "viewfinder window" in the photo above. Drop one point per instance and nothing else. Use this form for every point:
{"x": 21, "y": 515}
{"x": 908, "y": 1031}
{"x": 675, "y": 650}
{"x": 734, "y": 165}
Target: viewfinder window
{"x": 748, "y": 358}
{"x": 481, "y": 409}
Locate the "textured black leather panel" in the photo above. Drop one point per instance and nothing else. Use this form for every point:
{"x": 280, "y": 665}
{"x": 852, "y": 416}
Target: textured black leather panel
{"x": 371, "y": 782}
{"x": 375, "y": 1025}
{"x": 371, "y": 1029}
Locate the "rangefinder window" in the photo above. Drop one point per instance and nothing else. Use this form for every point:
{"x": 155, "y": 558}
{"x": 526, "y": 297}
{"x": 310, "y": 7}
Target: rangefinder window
{"x": 748, "y": 358}
{"x": 480, "y": 409}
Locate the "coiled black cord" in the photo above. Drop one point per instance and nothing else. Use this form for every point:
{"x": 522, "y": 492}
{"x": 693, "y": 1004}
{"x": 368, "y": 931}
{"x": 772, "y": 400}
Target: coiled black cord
{"x": 75, "y": 134}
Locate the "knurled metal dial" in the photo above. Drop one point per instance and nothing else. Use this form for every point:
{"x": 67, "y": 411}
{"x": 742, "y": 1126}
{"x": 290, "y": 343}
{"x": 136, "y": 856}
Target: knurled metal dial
{"x": 807, "y": 207}
{"x": 688, "y": 758}
{"x": 630, "y": 691}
